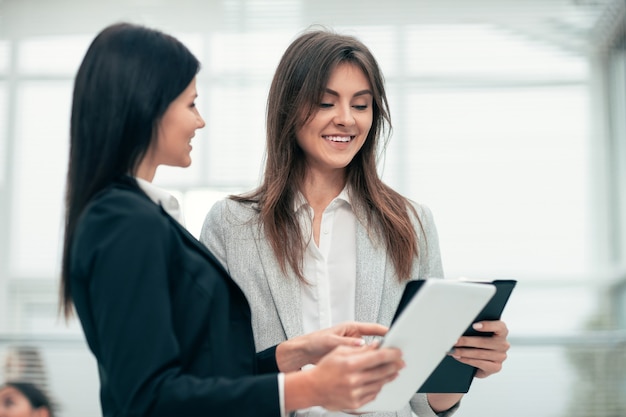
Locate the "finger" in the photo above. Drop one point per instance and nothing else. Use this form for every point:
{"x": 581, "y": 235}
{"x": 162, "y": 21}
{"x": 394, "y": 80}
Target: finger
{"x": 365, "y": 393}
{"x": 379, "y": 374}
{"x": 367, "y": 329}
{"x": 485, "y": 368}
{"x": 479, "y": 354}
{"x": 382, "y": 374}
{"x": 348, "y": 341}
{"x": 359, "y": 399}
{"x": 497, "y": 327}
{"x": 493, "y": 342}
{"x": 367, "y": 358}
{"x": 372, "y": 387}
{"x": 374, "y": 356}
{"x": 375, "y": 343}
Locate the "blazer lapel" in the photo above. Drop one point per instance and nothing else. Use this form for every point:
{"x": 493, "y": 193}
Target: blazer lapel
{"x": 285, "y": 289}
{"x": 130, "y": 184}
{"x": 370, "y": 276}
{"x": 191, "y": 239}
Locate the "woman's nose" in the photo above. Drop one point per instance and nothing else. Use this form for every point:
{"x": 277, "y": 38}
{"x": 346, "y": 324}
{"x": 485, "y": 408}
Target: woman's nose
{"x": 344, "y": 116}
{"x": 201, "y": 122}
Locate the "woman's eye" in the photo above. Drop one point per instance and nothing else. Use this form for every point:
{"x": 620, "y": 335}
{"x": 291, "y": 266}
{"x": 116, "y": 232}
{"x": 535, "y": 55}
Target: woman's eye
{"x": 361, "y": 107}
{"x": 325, "y": 105}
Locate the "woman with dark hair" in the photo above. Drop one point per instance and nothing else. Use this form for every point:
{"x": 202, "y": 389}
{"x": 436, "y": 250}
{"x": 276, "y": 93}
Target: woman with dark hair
{"x": 23, "y": 399}
{"x": 170, "y": 330}
{"x": 323, "y": 240}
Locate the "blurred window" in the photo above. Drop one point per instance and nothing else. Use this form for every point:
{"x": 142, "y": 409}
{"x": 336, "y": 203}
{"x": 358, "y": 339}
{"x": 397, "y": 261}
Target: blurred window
{"x": 39, "y": 170}
{"x": 3, "y": 130}
{"x": 513, "y": 134}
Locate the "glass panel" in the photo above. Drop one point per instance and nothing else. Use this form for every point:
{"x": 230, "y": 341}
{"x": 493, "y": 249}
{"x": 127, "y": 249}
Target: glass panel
{"x": 505, "y": 172}
{"x": 3, "y": 130}
{"x": 382, "y": 41}
{"x": 483, "y": 51}
{"x": 236, "y": 129}
{"x": 260, "y": 15}
{"x": 4, "y": 57}
{"x": 618, "y": 130}
{"x": 58, "y": 55}
{"x": 557, "y": 309}
{"x": 247, "y": 53}
{"x": 41, "y": 148}
{"x": 197, "y": 204}
{"x": 576, "y": 380}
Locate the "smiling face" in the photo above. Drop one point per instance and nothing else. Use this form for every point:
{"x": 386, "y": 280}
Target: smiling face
{"x": 337, "y": 130}
{"x": 176, "y": 129}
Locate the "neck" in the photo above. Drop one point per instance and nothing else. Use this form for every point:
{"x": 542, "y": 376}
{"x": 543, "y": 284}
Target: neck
{"x": 146, "y": 170}
{"x": 319, "y": 190}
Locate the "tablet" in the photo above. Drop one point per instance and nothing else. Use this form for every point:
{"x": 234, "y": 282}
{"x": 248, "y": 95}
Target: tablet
{"x": 452, "y": 376}
{"x": 425, "y": 330}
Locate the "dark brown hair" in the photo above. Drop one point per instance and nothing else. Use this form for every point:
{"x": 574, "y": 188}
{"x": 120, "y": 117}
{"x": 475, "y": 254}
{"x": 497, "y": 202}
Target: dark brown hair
{"x": 36, "y": 397}
{"x": 125, "y": 83}
{"x": 295, "y": 94}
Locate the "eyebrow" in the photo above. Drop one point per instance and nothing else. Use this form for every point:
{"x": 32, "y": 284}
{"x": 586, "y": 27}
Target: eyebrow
{"x": 358, "y": 93}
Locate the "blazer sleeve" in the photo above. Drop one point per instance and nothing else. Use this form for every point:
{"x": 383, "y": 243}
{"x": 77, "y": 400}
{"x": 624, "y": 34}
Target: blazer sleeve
{"x": 122, "y": 257}
{"x": 429, "y": 251}
{"x": 213, "y": 236}
{"x": 266, "y": 360}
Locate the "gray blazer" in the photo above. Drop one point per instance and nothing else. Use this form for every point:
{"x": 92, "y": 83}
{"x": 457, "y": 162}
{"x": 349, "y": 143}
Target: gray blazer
{"x": 232, "y": 233}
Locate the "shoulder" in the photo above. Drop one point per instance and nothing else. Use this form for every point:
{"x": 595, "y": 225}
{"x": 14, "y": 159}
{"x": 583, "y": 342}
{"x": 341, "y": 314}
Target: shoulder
{"x": 120, "y": 225}
{"x": 227, "y": 219}
{"x": 123, "y": 201}
{"x": 233, "y": 211}
{"x": 422, "y": 218}
{"x": 422, "y": 211}
{"x": 122, "y": 210}
{"x": 116, "y": 194}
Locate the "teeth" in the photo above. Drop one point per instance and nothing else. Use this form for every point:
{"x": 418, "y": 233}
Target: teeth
{"x": 338, "y": 138}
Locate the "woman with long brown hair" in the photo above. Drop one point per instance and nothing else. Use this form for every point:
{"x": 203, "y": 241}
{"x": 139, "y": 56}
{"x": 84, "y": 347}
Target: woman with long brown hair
{"x": 323, "y": 239}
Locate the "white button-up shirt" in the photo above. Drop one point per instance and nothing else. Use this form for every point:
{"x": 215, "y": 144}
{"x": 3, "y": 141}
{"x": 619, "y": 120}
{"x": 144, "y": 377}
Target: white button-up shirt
{"x": 163, "y": 198}
{"x": 330, "y": 270}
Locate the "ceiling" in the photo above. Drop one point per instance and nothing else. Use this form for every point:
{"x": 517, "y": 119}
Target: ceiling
{"x": 571, "y": 24}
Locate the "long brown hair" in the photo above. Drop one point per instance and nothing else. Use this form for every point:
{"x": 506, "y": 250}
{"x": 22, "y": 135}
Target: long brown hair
{"x": 295, "y": 94}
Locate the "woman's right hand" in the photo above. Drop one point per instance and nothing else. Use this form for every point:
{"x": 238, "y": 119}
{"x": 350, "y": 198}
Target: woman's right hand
{"x": 345, "y": 379}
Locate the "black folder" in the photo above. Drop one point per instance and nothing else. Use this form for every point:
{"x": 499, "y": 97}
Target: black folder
{"x": 452, "y": 376}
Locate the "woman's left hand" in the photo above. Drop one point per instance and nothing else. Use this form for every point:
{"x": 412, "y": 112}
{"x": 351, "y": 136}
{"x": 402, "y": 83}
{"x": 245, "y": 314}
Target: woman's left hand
{"x": 307, "y": 349}
{"x": 485, "y": 353}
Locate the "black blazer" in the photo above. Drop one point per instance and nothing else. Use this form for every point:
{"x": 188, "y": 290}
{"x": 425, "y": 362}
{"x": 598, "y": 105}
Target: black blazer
{"x": 169, "y": 328}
